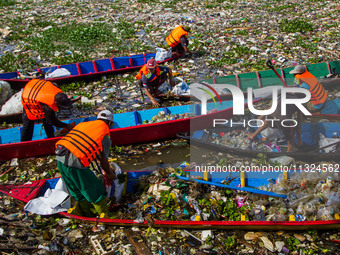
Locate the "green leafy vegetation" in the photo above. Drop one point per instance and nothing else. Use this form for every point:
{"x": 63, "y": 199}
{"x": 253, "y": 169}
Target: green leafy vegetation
{"x": 301, "y": 42}
{"x": 4, "y": 3}
{"x": 72, "y": 86}
{"x": 296, "y": 25}
{"x": 83, "y": 37}
{"x": 11, "y": 63}
{"x": 243, "y": 32}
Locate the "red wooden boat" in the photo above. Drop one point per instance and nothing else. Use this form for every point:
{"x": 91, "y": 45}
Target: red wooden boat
{"x": 30, "y": 190}
{"x": 128, "y": 129}
{"x": 87, "y": 70}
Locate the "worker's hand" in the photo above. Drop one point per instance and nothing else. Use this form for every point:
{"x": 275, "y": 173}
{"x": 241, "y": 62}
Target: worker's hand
{"x": 70, "y": 126}
{"x": 75, "y": 99}
{"x": 155, "y": 103}
{"x": 111, "y": 175}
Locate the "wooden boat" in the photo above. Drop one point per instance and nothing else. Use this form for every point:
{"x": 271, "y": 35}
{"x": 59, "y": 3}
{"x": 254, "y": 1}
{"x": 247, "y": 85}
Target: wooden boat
{"x": 310, "y": 136}
{"x": 255, "y": 80}
{"x": 261, "y": 79}
{"x": 34, "y": 189}
{"x": 87, "y": 70}
{"x": 128, "y": 129}
{"x": 267, "y": 78}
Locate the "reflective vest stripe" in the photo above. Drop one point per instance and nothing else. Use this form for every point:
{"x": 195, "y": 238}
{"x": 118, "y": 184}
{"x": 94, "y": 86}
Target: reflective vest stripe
{"x": 174, "y": 37}
{"x": 75, "y": 145}
{"x": 37, "y": 105}
{"x": 150, "y": 76}
{"x": 85, "y": 140}
{"x": 317, "y": 88}
{"x": 175, "y": 41}
{"x": 318, "y": 92}
{"x": 31, "y": 104}
{"x": 322, "y": 93}
{"x": 30, "y": 99}
{"x": 89, "y": 138}
{"x": 34, "y": 94}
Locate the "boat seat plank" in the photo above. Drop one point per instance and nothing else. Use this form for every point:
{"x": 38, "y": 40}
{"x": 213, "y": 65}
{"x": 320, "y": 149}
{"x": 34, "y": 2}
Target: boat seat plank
{"x": 138, "y": 60}
{"x": 247, "y": 80}
{"x": 226, "y": 80}
{"x": 136, "y": 117}
{"x": 103, "y": 65}
{"x": 86, "y": 67}
{"x": 318, "y": 70}
{"x": 121, "y": 62}
{"x": 335, "y": 67}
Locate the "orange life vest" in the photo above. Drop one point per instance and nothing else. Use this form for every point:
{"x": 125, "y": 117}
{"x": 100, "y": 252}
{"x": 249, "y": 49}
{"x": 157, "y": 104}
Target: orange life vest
{"x": 85, "y": 140}
{"x": 150, "y": 76}
{"x": 35, "y": 92}
{"x": 174, "y": 38}
{"x": 318, "y": 92}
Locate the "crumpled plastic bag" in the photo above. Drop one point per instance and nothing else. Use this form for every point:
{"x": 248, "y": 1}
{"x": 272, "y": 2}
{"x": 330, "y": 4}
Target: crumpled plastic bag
{"x": 54, "y": 201}
{"x": 181, "y": 88}
{"x": 162, "y": 54}
{"x": 60, "y": 72}
{"x": 272, "y": 134}
{"x": 13, "y": 105}
{"x": 115, "y": 189}
{"x": 324, "y": 141}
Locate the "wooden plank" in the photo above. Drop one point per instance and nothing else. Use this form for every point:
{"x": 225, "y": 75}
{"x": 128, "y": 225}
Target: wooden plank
{"x": 137, "y": 243}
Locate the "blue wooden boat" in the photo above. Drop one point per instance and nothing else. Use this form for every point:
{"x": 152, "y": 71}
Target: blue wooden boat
{"x": 128, "y": 129}
{"x": 310, "y": 135}
{"x": 87, "y": 70}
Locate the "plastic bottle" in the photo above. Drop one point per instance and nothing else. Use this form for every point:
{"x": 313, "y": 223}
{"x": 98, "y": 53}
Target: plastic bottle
{"x": 279, "y": 217}
{"x": 325, "y": 213}
{"x": 309, "y": 208}
{"x": 301, "y": 199}
{"x": 334, "y": 200}
{"x": 319, "y": 186}
{"x": 300, "y": 209}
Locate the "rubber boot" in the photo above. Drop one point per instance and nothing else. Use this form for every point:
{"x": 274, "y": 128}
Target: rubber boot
{"x": 102, "y": 209}
{"x": 76, "y": 210}
{"x": 85, "y": 207}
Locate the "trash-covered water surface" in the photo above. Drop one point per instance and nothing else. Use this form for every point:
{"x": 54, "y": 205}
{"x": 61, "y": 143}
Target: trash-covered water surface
{"x": 161, "y": 195}
{"x": 239, "y": 139}
{"x": 226, "y": 38}
{"x": 166, "y": 197}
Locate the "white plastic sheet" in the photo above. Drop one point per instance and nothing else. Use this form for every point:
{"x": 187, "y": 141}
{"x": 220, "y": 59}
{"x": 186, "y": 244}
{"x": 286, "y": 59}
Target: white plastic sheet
{"x": 181, "y": 89}
{"x": 324, "y": 141}
{"x": 60, "y": 72}
{"x": 54, "y": 201}
{"x": 162, "y": 54}
{"x": 116, "y": 186}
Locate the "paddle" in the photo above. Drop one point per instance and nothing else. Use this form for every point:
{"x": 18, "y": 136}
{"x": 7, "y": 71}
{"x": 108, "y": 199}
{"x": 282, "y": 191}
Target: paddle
{"x": 246, "y": 189}
{"x": 270, "y": 65}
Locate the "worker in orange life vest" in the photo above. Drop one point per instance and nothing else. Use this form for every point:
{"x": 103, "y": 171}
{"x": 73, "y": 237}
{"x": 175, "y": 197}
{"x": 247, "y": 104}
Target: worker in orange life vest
{"x": 81, "y": 147}
{"x": 178, "y": 41}
{"x": 41, "y": 99}
{"x": 151, "y": 76}
{"x": 306, "y": 80}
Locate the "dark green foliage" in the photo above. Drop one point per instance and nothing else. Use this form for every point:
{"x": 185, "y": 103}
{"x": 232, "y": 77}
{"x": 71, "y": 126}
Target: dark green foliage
{"x": 296, "y": 25}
